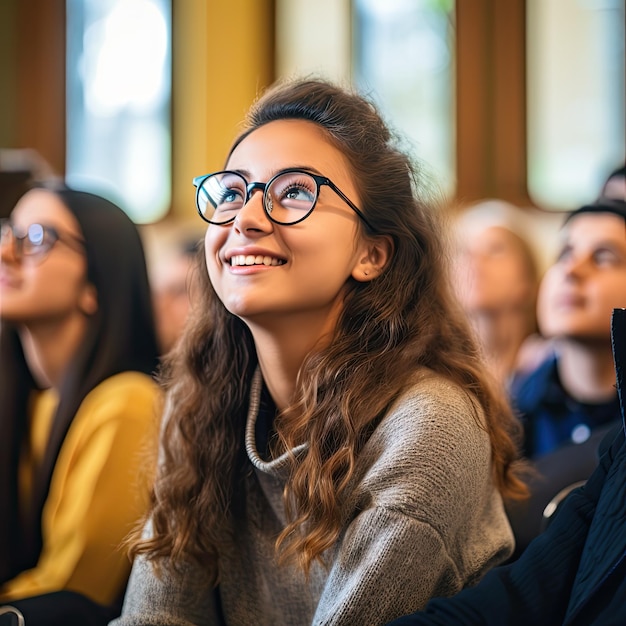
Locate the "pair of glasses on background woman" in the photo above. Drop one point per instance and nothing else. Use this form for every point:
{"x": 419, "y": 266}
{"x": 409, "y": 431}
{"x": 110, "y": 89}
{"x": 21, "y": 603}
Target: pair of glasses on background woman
{"x": 288, "y": 197}
{"x": 36, "y": 240}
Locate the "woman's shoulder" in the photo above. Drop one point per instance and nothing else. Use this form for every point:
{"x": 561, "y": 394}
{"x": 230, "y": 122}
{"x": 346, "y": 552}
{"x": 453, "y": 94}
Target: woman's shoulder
{"x": 127, "y": 395}
{"x": 432, "y": 408}
{"x": 126, "y": 382}
{"x": 429, "y": 392}
{"x": 431, "y": 439}
{"x": 125, "y": 387}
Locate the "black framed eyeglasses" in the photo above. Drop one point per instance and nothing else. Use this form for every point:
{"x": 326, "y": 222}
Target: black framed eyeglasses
{"x": 36, "y": 240}
{"x": 289, "y": 197}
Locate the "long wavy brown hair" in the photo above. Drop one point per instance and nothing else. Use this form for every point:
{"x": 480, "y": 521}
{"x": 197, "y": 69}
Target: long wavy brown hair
{"x": 401, "y": 321}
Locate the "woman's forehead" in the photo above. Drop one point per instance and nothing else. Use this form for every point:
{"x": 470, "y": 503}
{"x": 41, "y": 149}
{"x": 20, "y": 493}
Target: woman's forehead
{"x": 589, "y": 227}
{"x": 41, "y": 205}
{"x": 288, "y": 143}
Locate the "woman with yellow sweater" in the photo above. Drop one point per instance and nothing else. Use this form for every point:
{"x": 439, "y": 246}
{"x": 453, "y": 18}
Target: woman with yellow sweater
{"x": 78, "y": 403}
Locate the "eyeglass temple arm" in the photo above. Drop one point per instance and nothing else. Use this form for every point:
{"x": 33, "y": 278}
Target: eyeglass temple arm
{"x": 347, "y": 200}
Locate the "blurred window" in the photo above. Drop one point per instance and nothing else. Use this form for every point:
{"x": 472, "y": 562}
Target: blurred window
{"x": 118, "y": 102}
{"x": 404, "y": 57}
{"x": 575, "y": 73}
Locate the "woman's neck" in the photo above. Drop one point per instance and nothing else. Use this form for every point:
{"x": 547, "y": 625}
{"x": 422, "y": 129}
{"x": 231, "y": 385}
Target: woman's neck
{"x": 282, "y": 347}
{"x": 586, "y": 370}
{"x": 501, "y": 335}
{"x": 49, "y": 347}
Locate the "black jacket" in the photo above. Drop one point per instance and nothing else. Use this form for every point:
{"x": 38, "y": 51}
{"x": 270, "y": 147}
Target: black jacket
{"x": 574, "y": 573}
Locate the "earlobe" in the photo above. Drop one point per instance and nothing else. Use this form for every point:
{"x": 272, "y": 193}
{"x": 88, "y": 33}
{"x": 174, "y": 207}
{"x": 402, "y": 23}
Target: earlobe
{"x": 88, "y": 303}
{"x": 373, "y": 262}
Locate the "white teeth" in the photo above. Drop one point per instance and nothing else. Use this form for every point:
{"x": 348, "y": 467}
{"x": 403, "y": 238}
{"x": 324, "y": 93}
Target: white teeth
{"x": 249, "y": 259}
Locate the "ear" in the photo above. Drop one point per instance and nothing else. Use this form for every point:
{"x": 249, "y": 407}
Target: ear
{"x": 374, "y": 258}
{"x": 88, "y": 300}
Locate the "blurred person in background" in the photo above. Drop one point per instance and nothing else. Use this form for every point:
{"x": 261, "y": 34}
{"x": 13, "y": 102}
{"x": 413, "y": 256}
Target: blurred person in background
{"x": 569, "y": 402}
{"x": 170, "y": 287}
{"x": 78, "y": 403}
{"x": 615, "y": 184}
{"x": 495, "y": 275}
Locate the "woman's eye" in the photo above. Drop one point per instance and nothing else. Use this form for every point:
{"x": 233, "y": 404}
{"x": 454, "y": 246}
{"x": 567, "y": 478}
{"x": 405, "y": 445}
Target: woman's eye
{"x": 229, "y": 199}
{"x": 497, "y": 249}
{"x": 298, "y": 193}
{"x": 230, "y": 196}
{"x": 605, "y": 257}
{"x": 36, "y": 234}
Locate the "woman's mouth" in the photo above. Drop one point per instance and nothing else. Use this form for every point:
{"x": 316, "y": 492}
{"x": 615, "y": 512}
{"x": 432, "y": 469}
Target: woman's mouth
{"x": 249, "y": 259}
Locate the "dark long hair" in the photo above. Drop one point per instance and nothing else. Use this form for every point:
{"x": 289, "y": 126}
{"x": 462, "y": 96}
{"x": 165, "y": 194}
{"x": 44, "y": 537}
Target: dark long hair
{"x": 120, "y": 337}
{"x": 389, "y": 327}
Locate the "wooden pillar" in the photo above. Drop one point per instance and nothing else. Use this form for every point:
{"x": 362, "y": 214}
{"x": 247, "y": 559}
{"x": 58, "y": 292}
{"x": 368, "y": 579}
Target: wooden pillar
{"x": 223, "y": 54}
{"x": 491, "y": 100}
{"x": 40, "y": 80}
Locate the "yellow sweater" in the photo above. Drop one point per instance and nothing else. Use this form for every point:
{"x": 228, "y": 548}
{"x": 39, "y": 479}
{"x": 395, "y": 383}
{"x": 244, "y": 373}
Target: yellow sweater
{"x": 98, "y": 490}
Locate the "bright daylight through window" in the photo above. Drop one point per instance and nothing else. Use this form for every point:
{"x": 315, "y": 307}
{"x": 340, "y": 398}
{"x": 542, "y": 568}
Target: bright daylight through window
{"x": 118, "y": 102}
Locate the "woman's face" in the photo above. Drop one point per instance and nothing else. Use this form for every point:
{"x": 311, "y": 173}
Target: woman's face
{"x": 50, "y": 287}
{"x": 493, "y": 272}
{"x": 314, "y": 258}
{"x": 579, "y": 292}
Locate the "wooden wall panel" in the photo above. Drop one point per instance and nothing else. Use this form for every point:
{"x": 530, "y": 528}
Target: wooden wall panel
{"x": 491, "y": 100}
{"x": 40, "y": 96}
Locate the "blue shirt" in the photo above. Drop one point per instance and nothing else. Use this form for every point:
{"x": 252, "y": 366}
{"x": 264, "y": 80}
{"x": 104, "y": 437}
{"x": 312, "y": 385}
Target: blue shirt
{"x": 551, "y": 417}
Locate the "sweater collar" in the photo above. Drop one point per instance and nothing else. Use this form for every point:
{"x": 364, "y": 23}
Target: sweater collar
{"x": 280, "y": 465}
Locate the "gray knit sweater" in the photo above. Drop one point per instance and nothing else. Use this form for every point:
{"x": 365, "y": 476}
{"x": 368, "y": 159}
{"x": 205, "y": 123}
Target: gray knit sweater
{"x": 423, "y": 519}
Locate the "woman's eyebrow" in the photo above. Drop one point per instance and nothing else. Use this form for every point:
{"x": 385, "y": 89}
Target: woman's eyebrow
{"x": 307, "y": 168}
{"x": 602, "y": 244}
{"x": 248, "y": 176}
{"x": 241, "y": 172}
{"x": 611, "y": 244}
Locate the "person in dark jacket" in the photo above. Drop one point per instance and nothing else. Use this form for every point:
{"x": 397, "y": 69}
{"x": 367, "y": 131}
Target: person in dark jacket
{"x": 572, "y": 574}
{"x": 569, "y": 403}
{"x": 573, "y": 392}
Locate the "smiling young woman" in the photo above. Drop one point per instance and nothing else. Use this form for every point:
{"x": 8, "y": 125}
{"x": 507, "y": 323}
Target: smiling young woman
{"x": 332, "y": 451}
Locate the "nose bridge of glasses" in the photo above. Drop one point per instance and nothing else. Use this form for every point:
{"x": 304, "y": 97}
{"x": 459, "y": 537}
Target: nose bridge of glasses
{"x": 250, "y": 187}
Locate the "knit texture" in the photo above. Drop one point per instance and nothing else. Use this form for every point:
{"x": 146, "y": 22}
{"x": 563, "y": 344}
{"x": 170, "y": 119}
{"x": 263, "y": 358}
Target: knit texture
{"x": 423, "y": 519}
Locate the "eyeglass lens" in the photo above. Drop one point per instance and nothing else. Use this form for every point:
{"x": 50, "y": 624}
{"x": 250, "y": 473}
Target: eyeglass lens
{"x": 37, "y": 239}
{"x": 289, "y": 197}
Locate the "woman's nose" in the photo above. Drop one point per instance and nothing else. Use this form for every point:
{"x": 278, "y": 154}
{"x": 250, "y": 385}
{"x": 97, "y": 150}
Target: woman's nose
{"x": 575, "y": 266}
{"x": 8, "y": 251}
{"x": 252, "y": 217}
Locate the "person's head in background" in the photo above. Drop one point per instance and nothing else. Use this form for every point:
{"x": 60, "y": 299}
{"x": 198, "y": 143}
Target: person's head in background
{"x": 615, "y": 185}
{"x": 578, "y": 294}
{"x": 170, "y": 285}
{"x": 495, "y": 276}
{"x": 73, "y": 262}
